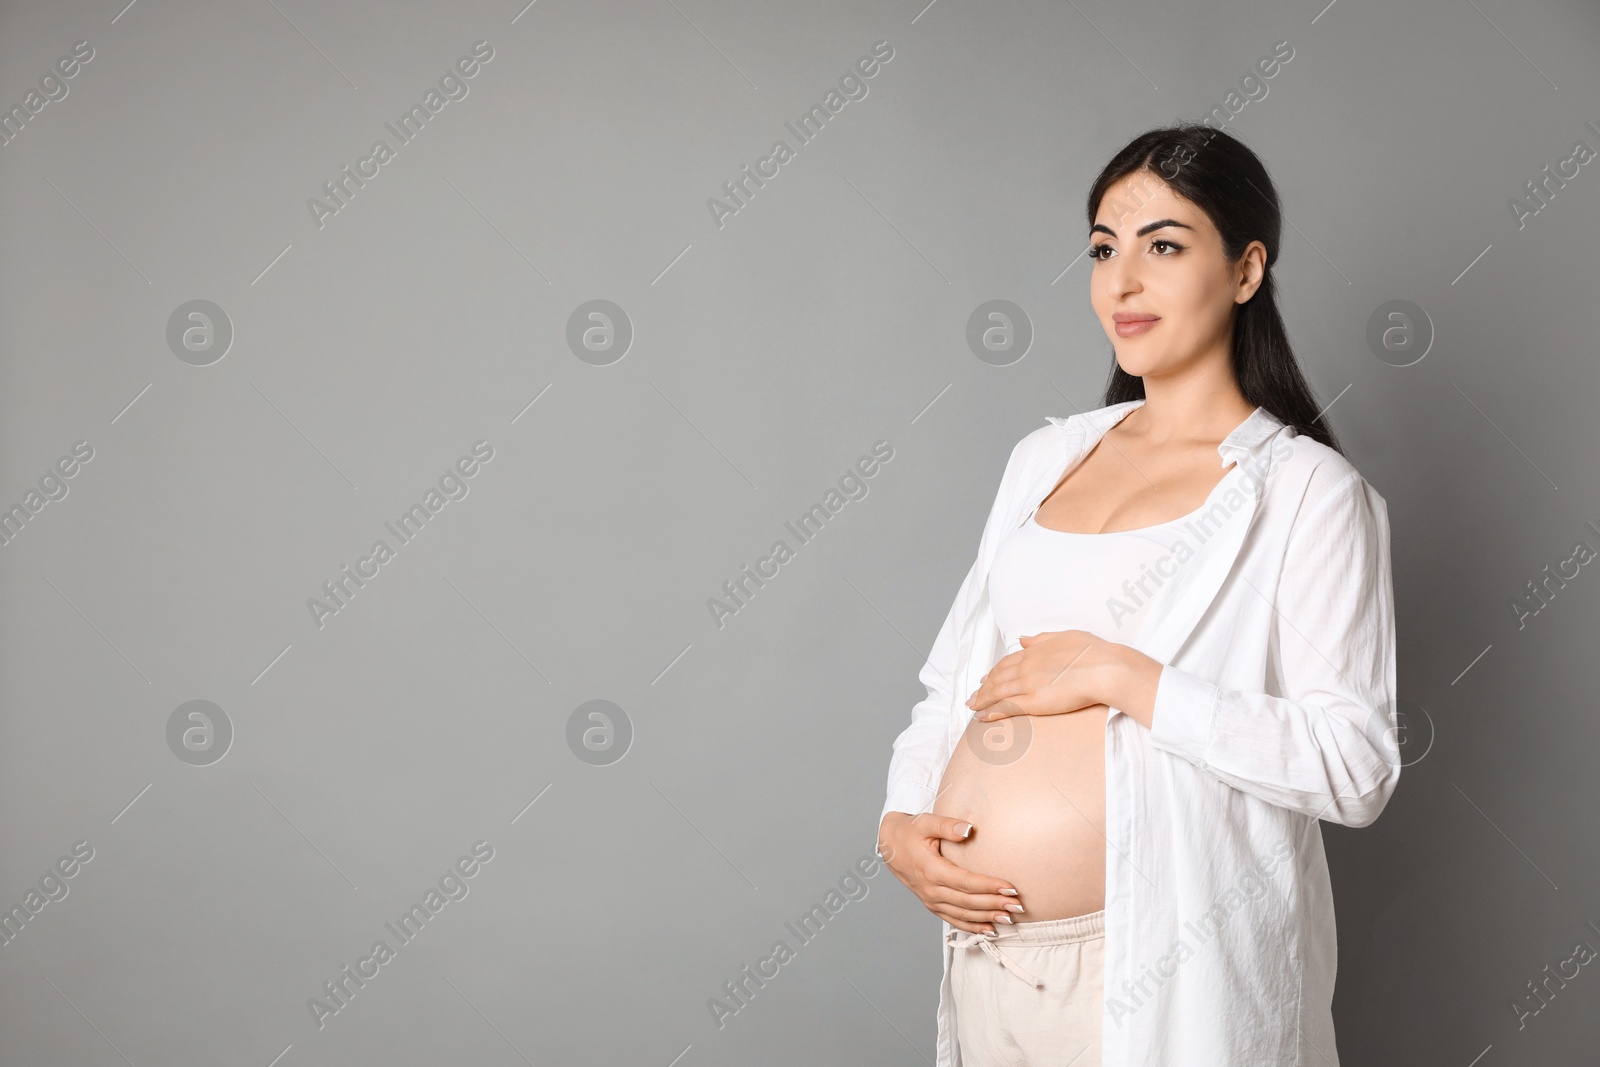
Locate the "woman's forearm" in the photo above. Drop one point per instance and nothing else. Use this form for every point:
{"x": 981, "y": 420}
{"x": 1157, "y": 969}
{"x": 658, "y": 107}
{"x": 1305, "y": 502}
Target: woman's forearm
{"x": 1128, "y": 682}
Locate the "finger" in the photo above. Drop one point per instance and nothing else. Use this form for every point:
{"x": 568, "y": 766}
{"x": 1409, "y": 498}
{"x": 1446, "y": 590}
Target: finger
{"x": 1007, "y": 668}
{"x": 1010, "y": 685}
{"x": 985, "y": 695}
{"x": 961, "y": 924}
{"x": 981, "y": 925}
{"x": 933, "y": 828}
{"x": 978, "y": 917}
{"x": 944, "y": 874}
{"x": 1004, "y": 708}
{"x": 988, "y": 904}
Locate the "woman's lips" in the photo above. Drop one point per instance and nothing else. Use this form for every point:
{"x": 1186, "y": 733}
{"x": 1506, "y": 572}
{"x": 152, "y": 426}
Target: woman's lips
{"x": 1137, "y": 326}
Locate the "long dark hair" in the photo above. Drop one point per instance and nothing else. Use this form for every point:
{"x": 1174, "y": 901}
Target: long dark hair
{"x": 1229, "y": 183}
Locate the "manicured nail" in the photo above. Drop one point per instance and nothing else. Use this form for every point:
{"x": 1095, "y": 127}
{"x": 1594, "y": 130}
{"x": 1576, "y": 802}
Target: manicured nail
{"x": 1008, "y": 892}
{"x": 964, "y": 828}
{"x": 1014, "y": 907}
{"x": 1003, "y": 918}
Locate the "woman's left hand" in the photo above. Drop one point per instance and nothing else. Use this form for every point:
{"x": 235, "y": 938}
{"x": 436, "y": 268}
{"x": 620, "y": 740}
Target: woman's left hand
{"x": 1055, "y": 673}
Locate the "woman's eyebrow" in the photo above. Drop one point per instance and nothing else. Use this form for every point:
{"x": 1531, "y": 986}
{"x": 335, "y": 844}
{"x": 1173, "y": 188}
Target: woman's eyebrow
{"x": 1147, "y": 228}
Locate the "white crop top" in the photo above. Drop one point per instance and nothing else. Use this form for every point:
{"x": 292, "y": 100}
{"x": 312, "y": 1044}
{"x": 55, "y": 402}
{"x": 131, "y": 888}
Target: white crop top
{"x": 1044, "y": 580}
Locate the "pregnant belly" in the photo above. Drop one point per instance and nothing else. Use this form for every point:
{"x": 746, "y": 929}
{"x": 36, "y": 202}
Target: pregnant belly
{"x": 1034, "y": 789}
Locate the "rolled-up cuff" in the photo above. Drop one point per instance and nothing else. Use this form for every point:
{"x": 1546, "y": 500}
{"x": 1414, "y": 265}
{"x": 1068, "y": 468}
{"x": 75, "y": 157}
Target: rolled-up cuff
{"x": 1185, "y": 709}
{"x": 909, "y": 797}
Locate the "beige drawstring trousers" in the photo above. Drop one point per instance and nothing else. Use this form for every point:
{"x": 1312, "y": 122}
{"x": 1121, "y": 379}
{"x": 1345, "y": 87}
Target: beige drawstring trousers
{"x": 1030, "y": 994}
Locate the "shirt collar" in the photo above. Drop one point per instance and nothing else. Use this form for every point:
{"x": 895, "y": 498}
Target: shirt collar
{"x": 1249, "y": 436}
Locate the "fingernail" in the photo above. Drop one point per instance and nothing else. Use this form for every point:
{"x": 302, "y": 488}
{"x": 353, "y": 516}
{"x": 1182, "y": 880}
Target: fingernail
{"x": 1004, "y": 918}
{"x": 964, "y": 828}
{"x": 1008, "y": 892}
{"x": 1014, "y": 907}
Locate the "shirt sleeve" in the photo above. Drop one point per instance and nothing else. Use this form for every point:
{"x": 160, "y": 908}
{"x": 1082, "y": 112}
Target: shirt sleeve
{"x": 919, "y": 756}
{"x": 1326, "y": 747}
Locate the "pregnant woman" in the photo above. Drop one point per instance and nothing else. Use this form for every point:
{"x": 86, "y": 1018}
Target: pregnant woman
{"x": 1172, "y": 658}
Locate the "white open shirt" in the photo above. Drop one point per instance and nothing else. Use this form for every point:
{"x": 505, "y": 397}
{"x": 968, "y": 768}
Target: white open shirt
{"x": 1275, "y": 708}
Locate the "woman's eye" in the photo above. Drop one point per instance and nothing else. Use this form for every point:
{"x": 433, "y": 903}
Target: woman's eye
{"x": 1100, "y": 252}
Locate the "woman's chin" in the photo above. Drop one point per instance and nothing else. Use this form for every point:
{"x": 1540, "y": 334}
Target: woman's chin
{"x": 1136, "y": 366}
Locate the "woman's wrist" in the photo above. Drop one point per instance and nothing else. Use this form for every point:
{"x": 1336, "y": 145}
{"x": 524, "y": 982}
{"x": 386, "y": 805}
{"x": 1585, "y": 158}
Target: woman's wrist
{"x": 1129, "y": 681}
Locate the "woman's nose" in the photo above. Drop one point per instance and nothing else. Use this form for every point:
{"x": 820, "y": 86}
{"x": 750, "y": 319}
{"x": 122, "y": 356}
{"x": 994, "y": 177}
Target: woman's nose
{"x": 1125, "y": 277}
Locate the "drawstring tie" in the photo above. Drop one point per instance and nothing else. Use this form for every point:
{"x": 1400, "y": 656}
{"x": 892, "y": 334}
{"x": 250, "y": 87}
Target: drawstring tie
{"x": 962, "y": 940}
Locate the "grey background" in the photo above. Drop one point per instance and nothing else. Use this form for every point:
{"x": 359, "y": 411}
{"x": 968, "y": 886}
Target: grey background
{"x": 768, "y": 356}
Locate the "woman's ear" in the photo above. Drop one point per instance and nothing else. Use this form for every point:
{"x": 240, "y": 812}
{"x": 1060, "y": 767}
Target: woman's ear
{"x": 1252, "y": 267}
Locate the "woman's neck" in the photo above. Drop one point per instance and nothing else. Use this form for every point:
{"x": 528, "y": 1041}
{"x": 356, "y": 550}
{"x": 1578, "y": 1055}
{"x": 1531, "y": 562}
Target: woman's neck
{"x": 1187, "y": 412}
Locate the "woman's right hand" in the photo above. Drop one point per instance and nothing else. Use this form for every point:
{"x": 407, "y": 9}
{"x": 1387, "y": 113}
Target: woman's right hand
{"x": 909, "y": 845}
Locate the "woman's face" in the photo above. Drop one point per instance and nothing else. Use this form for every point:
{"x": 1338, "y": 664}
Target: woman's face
{"x": 1162, "y": 287}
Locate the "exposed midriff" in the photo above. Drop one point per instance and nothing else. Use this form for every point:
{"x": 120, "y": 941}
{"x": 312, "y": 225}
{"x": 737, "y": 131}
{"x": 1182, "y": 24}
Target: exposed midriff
{"x": 1039, "y": 820}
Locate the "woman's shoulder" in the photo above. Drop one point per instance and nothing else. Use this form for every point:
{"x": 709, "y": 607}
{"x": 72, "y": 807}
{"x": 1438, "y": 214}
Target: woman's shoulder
{"x": 1317, "y": 467}
{"x": 1324, "y": 484}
